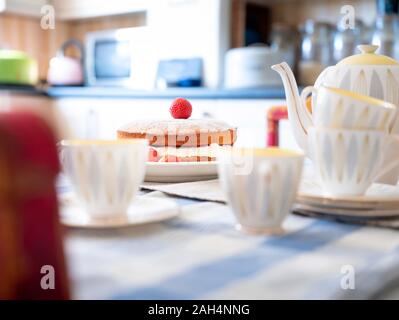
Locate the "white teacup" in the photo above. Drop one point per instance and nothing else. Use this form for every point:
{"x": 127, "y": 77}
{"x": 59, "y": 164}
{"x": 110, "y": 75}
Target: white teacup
{"x": 260, "y": 184}
{"x": 105, "y": 174}
{"x": 349, "y": 161}
{"x": 342, "y": 109}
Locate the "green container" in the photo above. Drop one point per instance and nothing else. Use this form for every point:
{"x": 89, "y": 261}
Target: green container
{"x": 16, "y": 67}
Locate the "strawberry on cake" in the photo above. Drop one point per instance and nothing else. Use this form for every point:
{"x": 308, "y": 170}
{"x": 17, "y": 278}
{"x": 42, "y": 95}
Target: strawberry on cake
{"x": 181, "y": 139}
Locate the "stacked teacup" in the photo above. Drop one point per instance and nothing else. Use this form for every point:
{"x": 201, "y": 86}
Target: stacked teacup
{"x": 350, "y": 143}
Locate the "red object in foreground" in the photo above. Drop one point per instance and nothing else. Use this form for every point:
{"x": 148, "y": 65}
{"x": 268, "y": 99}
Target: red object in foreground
{"x": 274, "y": 116}
{"x": 31, "y": 251}
{"x": 181, "y": 109}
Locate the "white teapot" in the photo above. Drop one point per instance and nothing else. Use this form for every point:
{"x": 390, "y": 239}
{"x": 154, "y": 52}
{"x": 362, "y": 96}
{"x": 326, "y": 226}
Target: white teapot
{"x": 358, "y": 76}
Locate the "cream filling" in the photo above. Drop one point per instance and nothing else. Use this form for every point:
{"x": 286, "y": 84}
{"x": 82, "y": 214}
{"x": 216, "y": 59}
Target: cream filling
{"x": 205, "y": 151}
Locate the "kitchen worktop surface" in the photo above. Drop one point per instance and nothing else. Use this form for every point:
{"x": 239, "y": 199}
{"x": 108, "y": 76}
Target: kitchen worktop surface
{"x": 21, "y": 89}
{"x": 193, "y": 93}
{"x": 125, "y": 93}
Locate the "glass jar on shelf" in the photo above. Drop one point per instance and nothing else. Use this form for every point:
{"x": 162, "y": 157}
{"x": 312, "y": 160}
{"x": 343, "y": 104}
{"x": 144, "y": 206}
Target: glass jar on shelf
{"x": 346, "y": 40}
{"x": 385, "y": 35}
{"x": 284, "y": 38}
{"x": 315, "y": 50}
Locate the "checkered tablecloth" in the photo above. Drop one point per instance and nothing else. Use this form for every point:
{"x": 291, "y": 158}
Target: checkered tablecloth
{"x": 200, "y": 255}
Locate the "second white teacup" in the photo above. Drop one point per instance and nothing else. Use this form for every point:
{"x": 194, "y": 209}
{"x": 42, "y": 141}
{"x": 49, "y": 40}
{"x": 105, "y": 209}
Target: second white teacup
{"x": 341, "y": 109}
{"x": 349, "y": 161}
{"x": 260, "y": 184}
{"x": 105, "y": 174}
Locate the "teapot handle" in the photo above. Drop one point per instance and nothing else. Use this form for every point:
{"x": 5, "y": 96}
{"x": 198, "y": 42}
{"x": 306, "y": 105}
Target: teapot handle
{"x": 304, "y": 95}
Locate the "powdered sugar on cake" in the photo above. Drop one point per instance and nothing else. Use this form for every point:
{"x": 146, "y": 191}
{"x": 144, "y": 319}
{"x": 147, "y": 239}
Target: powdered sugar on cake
{"x": 176, "y": 126}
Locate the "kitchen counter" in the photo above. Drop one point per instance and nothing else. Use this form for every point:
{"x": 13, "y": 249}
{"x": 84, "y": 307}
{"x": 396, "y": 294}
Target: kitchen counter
{"x": 20, "y": 89}
{"x": 125, "y": 93}
{"x": 189, "y": 93}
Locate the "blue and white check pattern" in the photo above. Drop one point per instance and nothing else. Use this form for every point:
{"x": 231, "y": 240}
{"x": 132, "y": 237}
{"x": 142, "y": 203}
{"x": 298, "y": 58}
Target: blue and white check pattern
{"x": 200, "y": 255}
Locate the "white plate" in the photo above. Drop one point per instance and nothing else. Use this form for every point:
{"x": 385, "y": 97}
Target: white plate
{"x": 145, "y": 209}
{"x": 378, "y": 196}
{"x": 180, "y": 171}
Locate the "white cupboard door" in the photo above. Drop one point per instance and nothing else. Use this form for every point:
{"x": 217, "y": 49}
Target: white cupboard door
{"x": 250, "y": 117}
{"x": 114, "y": 113}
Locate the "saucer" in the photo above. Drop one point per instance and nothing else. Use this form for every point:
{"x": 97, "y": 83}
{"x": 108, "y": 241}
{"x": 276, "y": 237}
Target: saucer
{"x": 379, "y": 200}
{"x": 143, "y": 210}
{"x": 348, "y": 212}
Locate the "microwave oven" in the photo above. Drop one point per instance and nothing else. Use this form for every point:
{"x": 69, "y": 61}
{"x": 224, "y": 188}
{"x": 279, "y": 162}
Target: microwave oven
{"x": 120, "y": 57}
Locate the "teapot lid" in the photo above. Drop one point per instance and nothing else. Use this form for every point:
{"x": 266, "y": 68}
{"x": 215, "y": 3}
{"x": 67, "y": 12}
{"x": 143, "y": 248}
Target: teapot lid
{"x": 367, "y": 57}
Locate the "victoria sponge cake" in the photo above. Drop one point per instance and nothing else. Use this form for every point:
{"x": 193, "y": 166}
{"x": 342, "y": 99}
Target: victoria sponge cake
{"x": 180, "y": 132}
{"x": 181, "y": 139}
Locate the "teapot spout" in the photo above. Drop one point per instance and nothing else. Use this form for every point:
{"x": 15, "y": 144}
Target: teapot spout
{"x": 298, "y": 114}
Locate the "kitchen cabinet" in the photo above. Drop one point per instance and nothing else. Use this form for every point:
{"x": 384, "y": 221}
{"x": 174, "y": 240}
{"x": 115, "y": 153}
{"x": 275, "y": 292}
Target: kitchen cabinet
{"x": 177, "y": 27}
{"x": 99, "y": 118}
{"x": 188, "y": 28}
{"x": 82, "y": 9}
{"x": 23, "y": 7}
